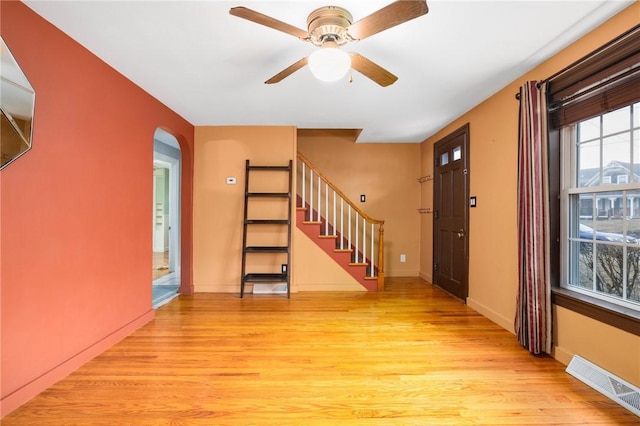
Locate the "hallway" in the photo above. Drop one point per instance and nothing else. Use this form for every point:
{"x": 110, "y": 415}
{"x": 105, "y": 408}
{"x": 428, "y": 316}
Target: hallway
{"x": 160, "y": 264}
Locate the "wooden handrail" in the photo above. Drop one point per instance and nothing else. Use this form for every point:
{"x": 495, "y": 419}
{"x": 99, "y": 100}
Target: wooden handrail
{"x": 340, "y": 193}
{"x": 380, "y": 265}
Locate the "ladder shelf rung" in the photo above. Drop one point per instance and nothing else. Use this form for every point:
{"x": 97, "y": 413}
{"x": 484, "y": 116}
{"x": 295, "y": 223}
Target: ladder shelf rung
{"x": 270, "y": 168}
{"x": 266, "y": 249}
{"x": 268, "y": 194}
{"x": 255, "y": 277}
{"x": 267, "y": 221}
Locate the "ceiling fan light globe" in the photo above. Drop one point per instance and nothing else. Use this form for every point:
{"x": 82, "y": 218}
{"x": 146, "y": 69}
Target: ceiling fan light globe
{"x": 329, "y": 64}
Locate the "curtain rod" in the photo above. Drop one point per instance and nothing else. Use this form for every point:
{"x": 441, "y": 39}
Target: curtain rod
{"x": 587, "y": 56}
{"x": 537, "y": 85}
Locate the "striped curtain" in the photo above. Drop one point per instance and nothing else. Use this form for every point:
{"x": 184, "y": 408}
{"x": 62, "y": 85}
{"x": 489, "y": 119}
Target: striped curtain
{"x": 533, "y": 314}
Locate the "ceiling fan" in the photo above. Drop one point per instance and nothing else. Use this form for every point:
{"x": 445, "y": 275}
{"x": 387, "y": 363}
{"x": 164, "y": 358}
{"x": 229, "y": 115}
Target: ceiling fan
{"x": 331, "y": 27}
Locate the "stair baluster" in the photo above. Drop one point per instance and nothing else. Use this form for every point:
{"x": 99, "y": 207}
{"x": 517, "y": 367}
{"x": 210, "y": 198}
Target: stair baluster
{"x": 363, "y": 247}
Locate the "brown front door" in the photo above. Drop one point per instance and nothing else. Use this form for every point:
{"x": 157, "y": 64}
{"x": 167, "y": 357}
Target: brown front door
{"x": 450, "y": 221}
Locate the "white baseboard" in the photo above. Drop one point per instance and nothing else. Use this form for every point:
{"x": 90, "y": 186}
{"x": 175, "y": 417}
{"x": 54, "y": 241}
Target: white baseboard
{"x": 427, "y": 277}
{"x": 400, "y": 273}
{"x": 356, "y": 287}
{"x": 221, "y": 288}
{"x": 506, "y": 323}
{"x": 561, "y": 355}
{"x": 235, "y": 288}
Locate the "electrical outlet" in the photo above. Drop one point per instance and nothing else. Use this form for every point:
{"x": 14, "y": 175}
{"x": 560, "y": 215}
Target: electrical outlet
{"x": 284, "y": 268}
{"x": 403, "y": 258}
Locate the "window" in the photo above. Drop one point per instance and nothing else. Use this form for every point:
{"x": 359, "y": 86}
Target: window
{"x": 457, "y": 153}
{"x": 444, "y": 159}
{"x": 601, "y": 242}
{"x": 594, "y": 169}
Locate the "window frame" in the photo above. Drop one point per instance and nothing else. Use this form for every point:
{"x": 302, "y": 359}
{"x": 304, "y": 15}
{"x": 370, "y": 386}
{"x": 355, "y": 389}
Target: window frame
{"x": 597, "y": 309}
{"x": 569, "y": 188}
{"x": 575, "y": 93}
{"x": 600, "y": 310}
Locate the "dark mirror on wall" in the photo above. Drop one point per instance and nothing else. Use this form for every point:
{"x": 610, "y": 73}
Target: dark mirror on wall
{"x": 17, "y": 99}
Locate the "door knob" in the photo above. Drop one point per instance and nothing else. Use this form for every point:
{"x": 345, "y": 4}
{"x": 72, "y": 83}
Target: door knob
{"x": 461, "y": 233}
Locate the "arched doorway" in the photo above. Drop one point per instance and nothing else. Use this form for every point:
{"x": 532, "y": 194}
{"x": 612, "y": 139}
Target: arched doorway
{"x": 166, "y": 217}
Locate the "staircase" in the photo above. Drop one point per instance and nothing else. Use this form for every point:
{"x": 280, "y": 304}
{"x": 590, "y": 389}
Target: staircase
{"x": 346, "y": 233}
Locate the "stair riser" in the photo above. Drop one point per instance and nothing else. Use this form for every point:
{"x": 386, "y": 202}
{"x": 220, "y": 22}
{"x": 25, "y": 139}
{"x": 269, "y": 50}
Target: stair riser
{"x": 302, "y": 216}
{"x": 328, "y": 246}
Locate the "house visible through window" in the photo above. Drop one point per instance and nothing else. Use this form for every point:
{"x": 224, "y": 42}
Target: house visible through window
{"x": 594, "y": 175}
{"x": 601, "y": 236}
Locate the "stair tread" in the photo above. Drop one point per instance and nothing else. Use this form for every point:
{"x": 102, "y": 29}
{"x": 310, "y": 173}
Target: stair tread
{"x": 328, "y": 236}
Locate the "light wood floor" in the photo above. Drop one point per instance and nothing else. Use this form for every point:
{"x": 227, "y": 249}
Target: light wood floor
{"x": 160, "y": 264}
{"x": 409, "y": 356}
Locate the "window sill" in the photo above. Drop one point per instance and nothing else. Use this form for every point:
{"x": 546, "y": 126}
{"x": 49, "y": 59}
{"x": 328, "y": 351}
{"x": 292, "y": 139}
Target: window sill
{"x": 608, "y": 313}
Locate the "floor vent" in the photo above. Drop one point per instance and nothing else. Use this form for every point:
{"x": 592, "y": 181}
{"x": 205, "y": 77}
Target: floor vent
{"x": 271, "y": 288}
{"x": 606, "y": 383}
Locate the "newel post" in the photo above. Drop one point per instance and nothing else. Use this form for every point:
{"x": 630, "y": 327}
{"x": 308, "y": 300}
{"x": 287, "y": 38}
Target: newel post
{"x": 381, "y": 257}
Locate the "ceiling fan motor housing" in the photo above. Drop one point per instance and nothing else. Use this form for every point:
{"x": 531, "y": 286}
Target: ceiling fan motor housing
{"x": 329, "y": 24}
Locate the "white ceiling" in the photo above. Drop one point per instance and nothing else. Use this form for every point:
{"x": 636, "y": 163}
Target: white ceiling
{"x": 210, "y": 67}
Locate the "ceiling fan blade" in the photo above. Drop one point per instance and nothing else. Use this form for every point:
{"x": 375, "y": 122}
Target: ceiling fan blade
{"x": 389, "y": 16}
{"x": 267, "y": 21}
{"x": 287, "y": 71}
{"x": 372, "y": 70}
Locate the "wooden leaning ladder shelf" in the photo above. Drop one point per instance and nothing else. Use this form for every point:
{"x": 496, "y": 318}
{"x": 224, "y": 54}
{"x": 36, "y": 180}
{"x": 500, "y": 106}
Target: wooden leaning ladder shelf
{"x": 250, "y": 222}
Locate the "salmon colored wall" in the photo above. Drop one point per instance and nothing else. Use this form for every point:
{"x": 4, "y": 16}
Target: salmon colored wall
{"x": 314, "y": 270}
{"x": 1, "y": 405}
{"x": 387, "y": 174}
{"x": 218, "y": 208}
{"x": 76, "y": 245}
{"x": 493, "y": 263}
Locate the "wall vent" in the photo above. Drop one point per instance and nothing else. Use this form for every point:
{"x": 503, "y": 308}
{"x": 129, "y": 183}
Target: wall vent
{"x": 270, "y": 288}
{"x": 613, "y": 387}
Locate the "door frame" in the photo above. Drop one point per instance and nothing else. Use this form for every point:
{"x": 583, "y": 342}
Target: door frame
{"x": 465, "y": 132}
{"x": 167, "y": 153}
{"x": 173, "y": 164}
